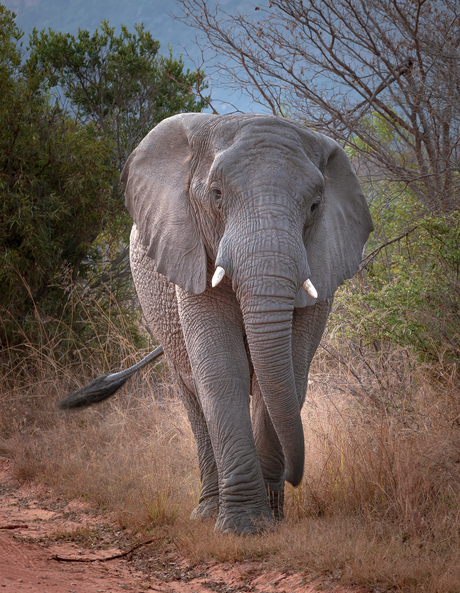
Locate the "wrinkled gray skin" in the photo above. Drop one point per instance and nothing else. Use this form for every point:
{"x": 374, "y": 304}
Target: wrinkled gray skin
{"x": 273, "y": 203}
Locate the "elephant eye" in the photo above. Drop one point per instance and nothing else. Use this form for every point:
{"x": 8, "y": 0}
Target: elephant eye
{"x": 315, "y": 210}
{"x": 217, "y": 196}
{"x": 315, "y": 207}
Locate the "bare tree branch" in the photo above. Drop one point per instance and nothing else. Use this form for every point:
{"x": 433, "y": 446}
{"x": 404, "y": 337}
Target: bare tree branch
{"x": 382, "y": 76}
{"x": 370, "y": 256}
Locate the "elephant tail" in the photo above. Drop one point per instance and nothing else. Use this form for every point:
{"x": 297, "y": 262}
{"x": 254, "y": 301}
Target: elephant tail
{"x": 106, "y": 385}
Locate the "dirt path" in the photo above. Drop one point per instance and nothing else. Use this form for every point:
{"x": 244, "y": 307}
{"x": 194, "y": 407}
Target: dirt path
{"x": 46, "y": 542}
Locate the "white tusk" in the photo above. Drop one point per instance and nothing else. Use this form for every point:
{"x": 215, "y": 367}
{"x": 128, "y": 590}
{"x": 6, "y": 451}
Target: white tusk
{"x": 308, "y": 287}
{"x": 218, "y": 275}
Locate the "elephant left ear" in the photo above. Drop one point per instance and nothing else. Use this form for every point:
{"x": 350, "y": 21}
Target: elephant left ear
{"x": 335, "y": 242}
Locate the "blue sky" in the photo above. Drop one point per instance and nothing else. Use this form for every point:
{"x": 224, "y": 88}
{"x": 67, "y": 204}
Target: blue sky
{"x": 69, "y": 15}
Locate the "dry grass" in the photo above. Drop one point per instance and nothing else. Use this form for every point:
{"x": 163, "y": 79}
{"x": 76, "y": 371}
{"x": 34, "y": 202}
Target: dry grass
{"x": 379, "y": 504}
{"x": 133, "y": 455}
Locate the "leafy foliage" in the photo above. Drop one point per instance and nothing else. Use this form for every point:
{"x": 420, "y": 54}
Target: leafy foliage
{"x": 70, "y": 115}
{"x": 411, "y": 293}
{"x": 121, "y": 83}
{"x": 124, "y": 87}
{"x": 408, "y": 292}
{"x": 55, "y": 178}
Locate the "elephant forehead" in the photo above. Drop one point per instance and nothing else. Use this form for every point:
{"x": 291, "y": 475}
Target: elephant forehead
{"x": 259, "y": 166}
{"x": 251, "y": 131}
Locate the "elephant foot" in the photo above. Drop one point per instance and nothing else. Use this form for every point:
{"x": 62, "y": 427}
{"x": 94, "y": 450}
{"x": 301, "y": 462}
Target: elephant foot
{"x": 206, "y": 509}
{"x": 244, "y": 522}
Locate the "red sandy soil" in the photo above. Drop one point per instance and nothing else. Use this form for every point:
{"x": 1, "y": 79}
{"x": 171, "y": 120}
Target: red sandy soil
{"x": 48, "y": 544}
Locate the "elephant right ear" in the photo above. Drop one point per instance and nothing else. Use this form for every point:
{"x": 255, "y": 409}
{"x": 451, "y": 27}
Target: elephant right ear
{"x": 157, "y": 178}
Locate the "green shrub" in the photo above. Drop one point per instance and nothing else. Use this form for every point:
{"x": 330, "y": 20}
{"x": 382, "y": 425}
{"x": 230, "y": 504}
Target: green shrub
{"x": 418, "y": 305}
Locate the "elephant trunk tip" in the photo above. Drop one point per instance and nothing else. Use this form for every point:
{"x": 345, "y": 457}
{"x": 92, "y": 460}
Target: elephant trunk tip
{"x": 295, "y": 461}
{"x": 294, "y": 475}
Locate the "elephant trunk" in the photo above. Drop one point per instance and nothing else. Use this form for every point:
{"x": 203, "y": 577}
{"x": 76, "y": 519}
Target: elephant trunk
{"x": 267, "y": 317}
{"x": 267, "y": 262}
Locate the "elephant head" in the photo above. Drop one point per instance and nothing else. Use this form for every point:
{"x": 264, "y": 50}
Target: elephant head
{"x": 267, "y": 202}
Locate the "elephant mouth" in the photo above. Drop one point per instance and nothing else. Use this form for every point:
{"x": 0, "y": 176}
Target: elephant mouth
{"x": 220, "y": 273}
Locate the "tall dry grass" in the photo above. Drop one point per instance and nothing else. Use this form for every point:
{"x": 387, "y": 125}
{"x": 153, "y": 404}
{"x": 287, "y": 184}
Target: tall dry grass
{"x": 380, "y": 501}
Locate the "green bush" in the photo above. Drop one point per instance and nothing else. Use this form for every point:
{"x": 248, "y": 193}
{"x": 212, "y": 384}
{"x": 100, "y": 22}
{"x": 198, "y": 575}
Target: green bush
{"x": 70, "y": 115}
{"x": 418, "y": 304}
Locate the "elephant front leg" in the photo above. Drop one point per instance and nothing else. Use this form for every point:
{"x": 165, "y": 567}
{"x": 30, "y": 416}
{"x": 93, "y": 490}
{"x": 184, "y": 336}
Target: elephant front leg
{"x": 269, "y": 451}
{"x": 208, "y": 504}
{"x": 243, "y": 504}
{"x": 214, "y": 338}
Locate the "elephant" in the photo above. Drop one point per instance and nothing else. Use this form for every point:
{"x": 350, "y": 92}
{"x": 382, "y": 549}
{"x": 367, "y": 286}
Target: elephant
{"x": 243, "y": 228}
